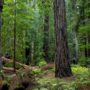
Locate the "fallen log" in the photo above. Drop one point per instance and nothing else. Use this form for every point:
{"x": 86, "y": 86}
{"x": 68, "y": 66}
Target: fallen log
{"x": 5, "y": 60}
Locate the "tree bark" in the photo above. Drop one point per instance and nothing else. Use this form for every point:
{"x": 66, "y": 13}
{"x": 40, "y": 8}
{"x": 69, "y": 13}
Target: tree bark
{"x": 62, "y": 60}
{"x": 1, "y": 7}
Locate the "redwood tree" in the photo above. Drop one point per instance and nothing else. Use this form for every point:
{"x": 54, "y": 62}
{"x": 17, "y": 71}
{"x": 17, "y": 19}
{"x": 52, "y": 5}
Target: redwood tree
{"x": 1, "y": 7}
{"x": 62, "y": 61}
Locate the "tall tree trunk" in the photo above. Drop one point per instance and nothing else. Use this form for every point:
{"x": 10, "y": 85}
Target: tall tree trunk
{"x": 46, "y": 38}
{"x": 88, "y": 33}
{"x": 1, "y": 7}
{"x": 76, "y": 21}
{"x": 14, "y": 59}
{"x": 46, "y": 30}
{"x": 75, "y": 46}
{"x": 28, "y": 49}
{"x": 62, "y": 60}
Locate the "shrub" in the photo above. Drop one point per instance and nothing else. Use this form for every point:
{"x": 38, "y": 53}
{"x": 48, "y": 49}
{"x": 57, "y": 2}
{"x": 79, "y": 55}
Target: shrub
{"x": 42, "y": 63}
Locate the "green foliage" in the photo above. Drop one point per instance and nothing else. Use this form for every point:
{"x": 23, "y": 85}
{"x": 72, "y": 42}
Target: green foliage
{"x": 81, "y": 75}
{"x": 55, "y": 84}
{"x": 30, "y": 34}
{"x": 37, "y": 72}
{"x": 29, "y": 28}
{"x": 84, "y": 61}
{"x": 1, "y": 73}
{"x": 77, "y": 69}
{"x": 42, "y": 63}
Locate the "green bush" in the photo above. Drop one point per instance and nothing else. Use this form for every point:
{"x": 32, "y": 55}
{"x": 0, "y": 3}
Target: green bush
{"x": 42, "y": 63}
{"x": 82, "y": 73}
{"x": 56, "y": 84}
{"x": 37, "y": 71}
{"x": 77, "y": 69}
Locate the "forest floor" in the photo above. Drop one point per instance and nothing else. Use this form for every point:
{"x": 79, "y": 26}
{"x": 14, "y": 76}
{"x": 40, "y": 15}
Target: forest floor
{"x": 42, "y": 78}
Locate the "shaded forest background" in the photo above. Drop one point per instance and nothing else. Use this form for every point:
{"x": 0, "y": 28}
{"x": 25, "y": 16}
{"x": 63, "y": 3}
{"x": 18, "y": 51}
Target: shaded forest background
{"x": 35, "y": 27}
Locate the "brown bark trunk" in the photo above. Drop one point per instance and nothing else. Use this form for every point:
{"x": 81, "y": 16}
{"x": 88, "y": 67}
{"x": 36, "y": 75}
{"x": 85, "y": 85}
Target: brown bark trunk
{"x": 1, "y": 7}
{"x": 62, "y": 61}
{"x": 46, "y": 38}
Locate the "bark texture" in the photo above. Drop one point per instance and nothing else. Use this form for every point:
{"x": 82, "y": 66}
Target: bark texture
{"x": 62, "y": 62}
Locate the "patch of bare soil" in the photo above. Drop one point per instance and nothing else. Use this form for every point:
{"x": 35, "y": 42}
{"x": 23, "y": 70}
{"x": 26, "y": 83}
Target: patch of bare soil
{"x": 48, "y": 66}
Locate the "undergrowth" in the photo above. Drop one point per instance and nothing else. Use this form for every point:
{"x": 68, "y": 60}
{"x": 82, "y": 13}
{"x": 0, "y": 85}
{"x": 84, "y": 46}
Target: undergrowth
{"x": 80, "y": 76}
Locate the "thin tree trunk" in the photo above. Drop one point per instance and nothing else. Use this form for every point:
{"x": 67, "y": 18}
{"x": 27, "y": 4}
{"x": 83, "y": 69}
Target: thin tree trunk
{"x": 46, "y": 31}
{"x": 1, "y": 7}
{"x": 62, "y": 60}
{"x": 0, "y": 42}
{"x": 88, "y": 33}
{"x": 75, "y": 42}
{"x": 75, "y": 30}
{"x": 46, "y": 38}
{"x": 14, "y": 59}
{"x": 28, "y": 55}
